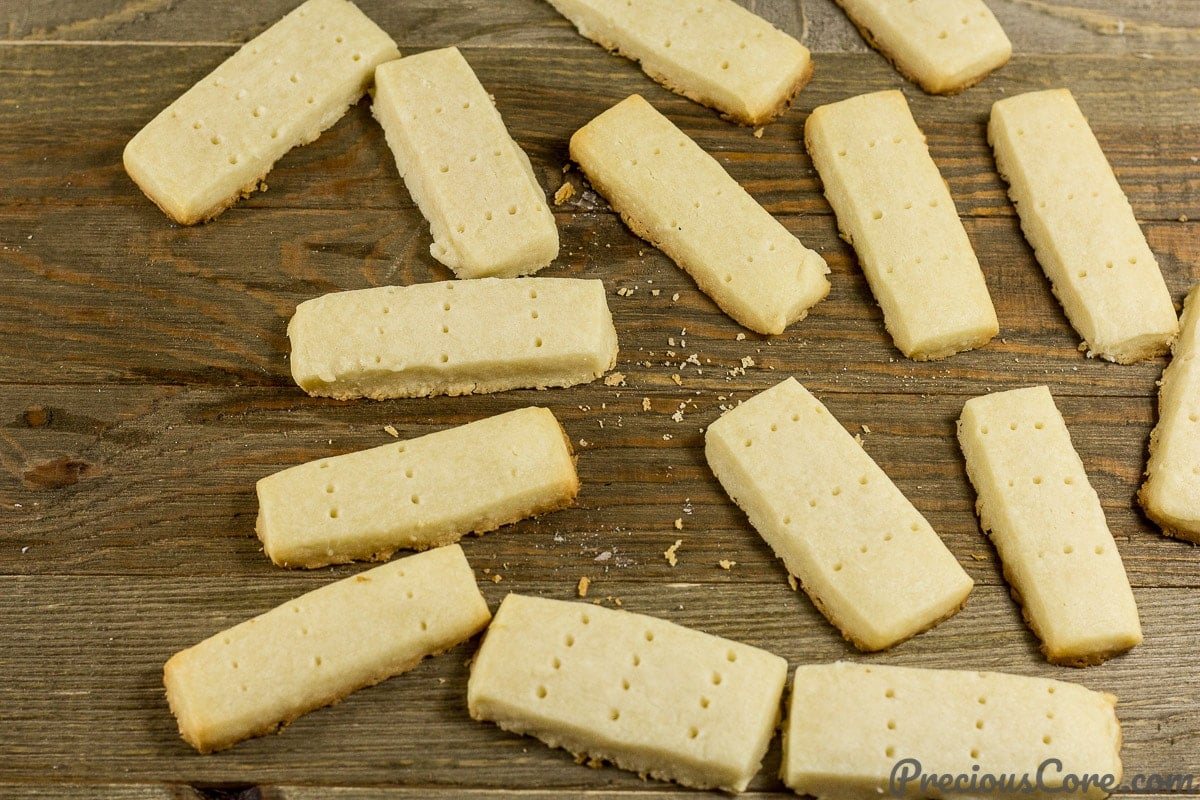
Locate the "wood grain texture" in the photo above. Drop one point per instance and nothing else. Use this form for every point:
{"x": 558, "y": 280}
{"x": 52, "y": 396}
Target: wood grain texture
{"x": 144, "y": 388}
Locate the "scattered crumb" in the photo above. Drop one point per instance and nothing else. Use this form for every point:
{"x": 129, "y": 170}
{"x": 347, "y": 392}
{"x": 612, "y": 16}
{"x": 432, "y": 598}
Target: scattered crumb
{"x": 725, "y": 563}
{"x": 625, "y": 291}
{"x": 679, "y": 523}
{"x": 758, "y": 132}
{"x": 979, "y": 556}
{"x": 747, "y": 361}
{"x": 564, "y": 193}
{"x": 584, "y": 582}
{"x": 496, "y": 578}
{"x": 866, "y": 429}
{"x": 441, "y": 680}
{"x": 1183, "y": 217}
{"x": 566, "y": 167}
{"x": 615, "y": 379}
{"x": 645, "y": 404}
{"x": 667, "y": 437}
{"x": 605, "y": 556}
{"x": 656, "y": 292}
{"x": 678, "y": 380}
{"x": 675, "y": 297}
{"x": 391, "y": 431}
{"x": 677, "y": 416}
{"x": 669, "y": 553}
{"x": 583, "y": 442}
{"x": 741, "y": 337}
{"x": 792, "y": 582}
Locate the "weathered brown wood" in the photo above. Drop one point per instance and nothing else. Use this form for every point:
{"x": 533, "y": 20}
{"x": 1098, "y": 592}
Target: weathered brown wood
{"x": 105, "y": 702}
{"x": 144, "y": 388}
{"x": 161, "y": 480}
{"x": 73, "y": 156}
{"x": 212, "y": 303}
{"x": 1040, "y": 26}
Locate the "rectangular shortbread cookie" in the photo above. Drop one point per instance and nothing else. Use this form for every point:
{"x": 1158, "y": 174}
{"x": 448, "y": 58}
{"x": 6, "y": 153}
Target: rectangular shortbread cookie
{"x": 320, "y": 647}
{"x": 453, "y": 337}
{"x": 944, "y": 46}
{"x": 420, "y": 493}
{"x": 863, "y": 553}
{"x": 217, "y": 142}
{"x": 858, "y": 732}
{"x": 646, "y": 694}
{"x": 1171, "y": 494}
{"x": 677, "y": 197}
{"x": 1081, "y": 226}
{"x": 1045, "y": 519}
{"x": 894, "y": 208}
{"x": 712, "y": 51}
{"x": 474, "y": 184}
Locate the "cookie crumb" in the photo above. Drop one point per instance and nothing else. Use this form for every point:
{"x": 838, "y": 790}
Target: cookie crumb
{"x": 679, "y": 523}
{"x": 758, "y": 132}
{"x": 584, "y": 582}
{"x": 725, "y": 563}
{"x": 645, "y": 404}
{"x": 678, "y": 380}
{"x": 741, "y": 337}
{"x": 866, "y": 429}
{"x": 675, "y": 297}
{"x": 669, "y": 553}
{"x": 391, "y": 431}
{"x": 615, "y": 379}
{"x": 792, "y": 581}
{"x": 497, "y": 578}
{"x": 564, "y": 193}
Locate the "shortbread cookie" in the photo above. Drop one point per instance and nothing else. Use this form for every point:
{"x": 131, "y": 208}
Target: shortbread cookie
{"x": 944, "y": 46}
{"x": 1081, "y": 227}
{"x": 894, "y": 207}
{"x": 416, "y": 494}
{"x": 453, "y": 337}
{"x": 648, "y": 695}
{"x": 474, "y": 184}
{"x": 712, "y": 51}
{"x": 858, "y": 732}
{"x": 863, "y": 553}
{"x": 1046, "y": 522}
{"x": 677, "y": 197}
{"x": 318, "y": 648}
{"x": 217, "y": 142}
{"x": 1171, "y": 494}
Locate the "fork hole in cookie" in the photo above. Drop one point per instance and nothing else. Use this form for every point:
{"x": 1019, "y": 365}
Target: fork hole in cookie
{"x": 693, "y": 732}
{"x": 614, "y": 714}
{"x": 541, "y": 692}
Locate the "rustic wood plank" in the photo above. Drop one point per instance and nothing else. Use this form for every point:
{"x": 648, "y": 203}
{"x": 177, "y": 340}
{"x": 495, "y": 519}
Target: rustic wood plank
{"x": 1146, "y": 115}
{"x": 108, "y": 637}
{"x": 160, "y": 480}
{"x": 212, "y": 303}
{"x": 1040, "y": 26}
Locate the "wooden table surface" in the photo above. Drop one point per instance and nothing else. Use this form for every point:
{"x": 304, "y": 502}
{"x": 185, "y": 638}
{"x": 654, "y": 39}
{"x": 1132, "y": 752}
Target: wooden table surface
{"x": 144, "y": 388}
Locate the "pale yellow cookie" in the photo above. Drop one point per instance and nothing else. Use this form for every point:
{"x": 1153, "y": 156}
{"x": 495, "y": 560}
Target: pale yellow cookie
{"x": 676, "y": 196}
{"x": 474, "y": 184}
{"x": 419, "y": 493}
{"x": 944, "y": 46}
{"x": 1036, "y": 504}
{"x": 1171, "y": 494}
{"x": 1081, "y": 227}
{"x": 859, "y": 732}
{"x": 314, "y": 650}
{"x": 864, "y": 555}
{"x": 712, "y": 51}
{"x": 894, "y": 208}
{"x": 453, "y": 337}
{"x": 650, "y": 696}
{"x": 217, "y": 142}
